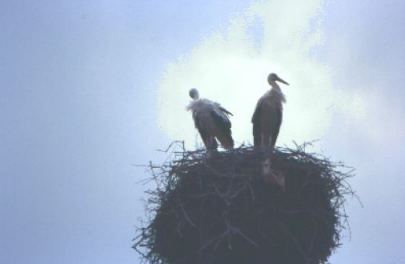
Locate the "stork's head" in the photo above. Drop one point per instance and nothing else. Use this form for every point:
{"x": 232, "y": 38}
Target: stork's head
{"x": 194, "y": 93}
{"x": 274, "y": 77}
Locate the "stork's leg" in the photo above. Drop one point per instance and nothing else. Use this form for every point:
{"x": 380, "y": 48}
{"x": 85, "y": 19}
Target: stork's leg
{"x": 211, "y": 144}
{"x": 271, "y": 145}
{"x": 265, "y": 141}
{"x": 212, "y": 147}
{"x": 206, "y": 142}
{"x": 214, "y": 143}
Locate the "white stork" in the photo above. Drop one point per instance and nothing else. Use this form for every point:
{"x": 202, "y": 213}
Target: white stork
{"x": 268, "y": 114}
{"x": 211, "y": 121}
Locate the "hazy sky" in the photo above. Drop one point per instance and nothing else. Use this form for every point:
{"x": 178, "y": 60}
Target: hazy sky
{"x": 90, "y": 87}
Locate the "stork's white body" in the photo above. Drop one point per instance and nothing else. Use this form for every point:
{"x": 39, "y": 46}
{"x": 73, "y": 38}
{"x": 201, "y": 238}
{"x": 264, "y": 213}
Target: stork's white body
{"x": 268, "y": 115}
{"x": 212, "y": 122}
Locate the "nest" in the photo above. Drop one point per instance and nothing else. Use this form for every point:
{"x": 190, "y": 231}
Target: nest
{"x": 218, "y": 208}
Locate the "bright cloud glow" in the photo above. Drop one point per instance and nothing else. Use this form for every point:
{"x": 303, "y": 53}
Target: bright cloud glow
{"x": 231, "y": 68}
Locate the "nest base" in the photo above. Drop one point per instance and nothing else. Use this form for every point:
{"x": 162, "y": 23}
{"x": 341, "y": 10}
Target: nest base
{"x": 219, "y": 209}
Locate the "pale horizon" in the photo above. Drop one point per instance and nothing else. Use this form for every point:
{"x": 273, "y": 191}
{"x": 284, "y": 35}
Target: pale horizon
{"x": 90, "y": 88}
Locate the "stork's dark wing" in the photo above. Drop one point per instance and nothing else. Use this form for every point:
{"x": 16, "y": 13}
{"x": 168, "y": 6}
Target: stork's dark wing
{"x": 225, "y": 111}
{"x": 257, "y": 124}
{"x": 220, "y": 115}
{"x": 222, "y": 109}
{"x": 223, "y": 125}
{"x": 275, "y": 119}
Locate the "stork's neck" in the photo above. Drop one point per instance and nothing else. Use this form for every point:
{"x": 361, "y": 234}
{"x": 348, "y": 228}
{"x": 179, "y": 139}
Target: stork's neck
{"x": 274, "y": 86}
{"x": 275, "y": 92}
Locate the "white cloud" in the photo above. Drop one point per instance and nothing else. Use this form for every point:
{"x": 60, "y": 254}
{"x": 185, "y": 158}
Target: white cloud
{"x": 361, "y": 120}
{"x": 230, "y": 68}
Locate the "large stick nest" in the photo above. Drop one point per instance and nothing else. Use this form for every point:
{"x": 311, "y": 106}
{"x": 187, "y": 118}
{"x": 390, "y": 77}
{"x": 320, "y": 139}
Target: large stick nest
{"x": 217, "y": 209}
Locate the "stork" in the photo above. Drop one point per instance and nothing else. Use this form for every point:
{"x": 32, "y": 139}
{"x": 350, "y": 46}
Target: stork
{"x": 212, "y": 121}
{"x": 268, "y": 114}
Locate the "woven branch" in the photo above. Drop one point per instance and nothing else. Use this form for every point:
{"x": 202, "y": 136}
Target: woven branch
{"x": 217, "y": 209}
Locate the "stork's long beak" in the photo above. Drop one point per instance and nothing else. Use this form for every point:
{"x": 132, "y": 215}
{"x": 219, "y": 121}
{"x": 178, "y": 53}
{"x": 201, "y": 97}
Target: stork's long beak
{"x": 281, "y": 80}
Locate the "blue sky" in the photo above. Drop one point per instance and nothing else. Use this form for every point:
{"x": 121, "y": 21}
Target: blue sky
{"x": 82, "y": 87}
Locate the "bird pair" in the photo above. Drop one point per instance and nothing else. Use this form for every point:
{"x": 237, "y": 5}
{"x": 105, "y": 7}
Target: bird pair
{"x": 212, "y": 120}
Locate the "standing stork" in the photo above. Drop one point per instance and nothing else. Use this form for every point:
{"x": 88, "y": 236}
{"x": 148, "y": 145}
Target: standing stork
{"x": 268, "y": 114}
{"x": 212, "y": 121}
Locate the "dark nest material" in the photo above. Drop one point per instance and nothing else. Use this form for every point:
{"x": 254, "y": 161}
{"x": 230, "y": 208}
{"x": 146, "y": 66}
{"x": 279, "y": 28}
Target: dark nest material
{"x": 217, "y": 209}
